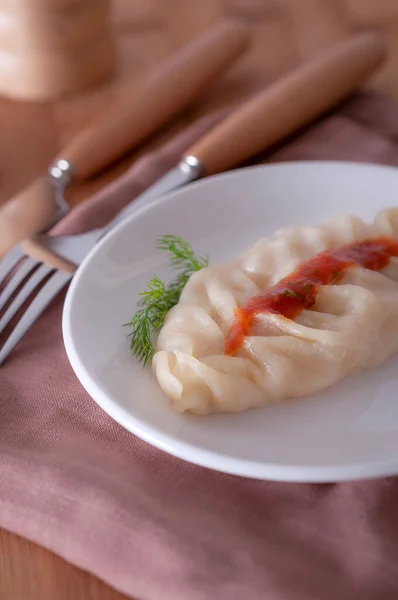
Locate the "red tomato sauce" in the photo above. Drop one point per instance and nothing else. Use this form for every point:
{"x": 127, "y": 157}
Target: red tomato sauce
{"x": 299, "y": 290}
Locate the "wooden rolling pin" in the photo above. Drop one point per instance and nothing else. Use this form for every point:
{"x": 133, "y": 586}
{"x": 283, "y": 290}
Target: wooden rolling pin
{"x": 49, "y": 49}
{"x": 41, "y": 29}
{"x": 133, "y": 117}
{"x": 292, "y": 102}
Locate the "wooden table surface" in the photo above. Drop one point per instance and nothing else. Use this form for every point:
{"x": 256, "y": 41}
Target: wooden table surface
{"x": 285, "y": 32}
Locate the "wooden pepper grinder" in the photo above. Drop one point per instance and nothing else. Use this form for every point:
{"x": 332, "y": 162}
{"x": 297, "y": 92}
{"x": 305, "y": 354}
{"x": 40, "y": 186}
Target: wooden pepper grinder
{"x": 50, "y": 48}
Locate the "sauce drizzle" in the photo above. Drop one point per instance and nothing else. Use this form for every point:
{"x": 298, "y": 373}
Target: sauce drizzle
{"x": 299, "y": 290}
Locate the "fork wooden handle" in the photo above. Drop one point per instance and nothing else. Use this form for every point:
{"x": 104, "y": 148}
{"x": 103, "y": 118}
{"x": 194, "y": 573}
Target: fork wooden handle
{"x": 174, "y": 83}
{"x": 172, "y": 86}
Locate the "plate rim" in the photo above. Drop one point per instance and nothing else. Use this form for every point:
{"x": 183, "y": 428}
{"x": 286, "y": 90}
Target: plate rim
{"x": 182, "y": 449}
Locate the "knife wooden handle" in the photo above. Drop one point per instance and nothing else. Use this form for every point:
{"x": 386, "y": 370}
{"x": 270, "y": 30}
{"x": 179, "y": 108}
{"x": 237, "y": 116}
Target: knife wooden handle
{"x": 290, "y": 103}
{"x": 176, "y": 82}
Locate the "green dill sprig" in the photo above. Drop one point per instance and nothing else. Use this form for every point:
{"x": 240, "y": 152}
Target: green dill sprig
{"x": 182, "y": 256}
{"x": 157, "y": 299}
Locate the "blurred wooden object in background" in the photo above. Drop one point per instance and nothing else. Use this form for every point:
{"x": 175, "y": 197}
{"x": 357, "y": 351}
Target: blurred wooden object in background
{"x": 285, "y": 33}
{"x": 51, "y": 48}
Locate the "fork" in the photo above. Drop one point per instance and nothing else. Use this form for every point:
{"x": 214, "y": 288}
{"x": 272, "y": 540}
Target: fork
{"x": 47, "y": 263}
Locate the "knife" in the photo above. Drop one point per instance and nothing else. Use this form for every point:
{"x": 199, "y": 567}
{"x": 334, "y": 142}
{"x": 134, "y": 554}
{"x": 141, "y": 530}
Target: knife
{"x": 132, "y": 118}
{"x": 271, "y": 115}
{"x": 275, "y": 113}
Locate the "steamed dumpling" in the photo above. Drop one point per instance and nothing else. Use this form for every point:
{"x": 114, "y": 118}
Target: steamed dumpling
{"x": 352, "y": 327}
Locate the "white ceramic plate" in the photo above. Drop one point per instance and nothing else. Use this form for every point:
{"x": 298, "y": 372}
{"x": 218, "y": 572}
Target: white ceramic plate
{"x": 349, "y": 431}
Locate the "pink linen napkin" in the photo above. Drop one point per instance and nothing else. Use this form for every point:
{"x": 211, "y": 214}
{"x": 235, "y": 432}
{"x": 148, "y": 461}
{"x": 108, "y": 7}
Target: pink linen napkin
{"x": 155, "y": 527}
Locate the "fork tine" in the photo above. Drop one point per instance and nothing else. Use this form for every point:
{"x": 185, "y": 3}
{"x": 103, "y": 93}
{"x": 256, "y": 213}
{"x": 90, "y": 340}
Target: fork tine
{"x": 40, "y": 302}
{"x": 10, "y": 261}
{"x": 39, "y": 275}
{"x": 16, "y": 280}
